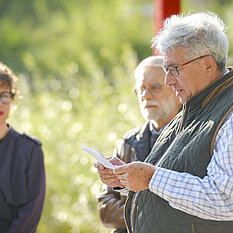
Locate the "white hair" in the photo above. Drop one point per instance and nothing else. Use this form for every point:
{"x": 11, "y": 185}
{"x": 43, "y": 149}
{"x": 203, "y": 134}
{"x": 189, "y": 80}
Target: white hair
{"x": 200, "y": 33}
{"x": 155, "y": 61}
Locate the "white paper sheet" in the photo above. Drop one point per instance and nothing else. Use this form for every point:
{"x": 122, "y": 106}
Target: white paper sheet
{"x": 98, "y": 156}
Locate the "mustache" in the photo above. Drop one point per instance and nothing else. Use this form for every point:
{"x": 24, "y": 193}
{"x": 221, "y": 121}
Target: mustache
{"x": 150, "y": 103}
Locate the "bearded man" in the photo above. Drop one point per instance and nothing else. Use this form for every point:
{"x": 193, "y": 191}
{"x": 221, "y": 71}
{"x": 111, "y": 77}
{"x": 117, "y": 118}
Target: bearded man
{"x": 158, "y": 105}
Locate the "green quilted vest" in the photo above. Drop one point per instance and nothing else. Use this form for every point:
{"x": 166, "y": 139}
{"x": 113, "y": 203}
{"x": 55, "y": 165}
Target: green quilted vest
{"x": 188, "y": 142}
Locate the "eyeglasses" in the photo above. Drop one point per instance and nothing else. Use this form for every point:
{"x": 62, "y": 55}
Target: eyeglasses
{"x": 173, "y": 70}
{"x": 6, "y": 97}
{"x": 153, "y": 88}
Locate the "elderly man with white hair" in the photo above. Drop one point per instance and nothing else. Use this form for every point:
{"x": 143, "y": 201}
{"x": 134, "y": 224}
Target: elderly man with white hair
{"x": 158, "y": 105}
{"x": 186, "y": 182}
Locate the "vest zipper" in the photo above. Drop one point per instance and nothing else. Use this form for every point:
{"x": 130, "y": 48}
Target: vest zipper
{"x": 193, "y": 228}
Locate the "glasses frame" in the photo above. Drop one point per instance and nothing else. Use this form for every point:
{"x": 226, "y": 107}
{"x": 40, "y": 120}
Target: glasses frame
{"x": 11, "y": 97}
{"x": 174, "y": 71}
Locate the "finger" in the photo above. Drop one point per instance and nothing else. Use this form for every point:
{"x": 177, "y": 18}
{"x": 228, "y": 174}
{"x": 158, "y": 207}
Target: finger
{"x": 120, "y": 170}
{"x": 123, "y": 182}
{"x": 116, "y": 161}
{"x": 121, "y": 186}
{"x": 123, "y": 176}
{"x": 110, "y": 171}
{"x": 111, "y": 182}
{"x": 117, "y": 184}
{"x": 108, "y": 176}
{"x": 103, "y": 172}
{"x": 99, "y": 166}
{"x": 106, "y": 171}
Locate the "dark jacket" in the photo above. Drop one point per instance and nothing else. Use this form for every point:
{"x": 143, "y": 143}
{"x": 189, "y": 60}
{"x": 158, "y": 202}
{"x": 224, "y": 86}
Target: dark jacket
{"x": 22, "y": 183}
{"x": 135, "y": 145}
{"x": 193, "y": 133}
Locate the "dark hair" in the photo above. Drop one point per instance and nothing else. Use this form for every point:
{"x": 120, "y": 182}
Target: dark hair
{"x": 7, "y": 78}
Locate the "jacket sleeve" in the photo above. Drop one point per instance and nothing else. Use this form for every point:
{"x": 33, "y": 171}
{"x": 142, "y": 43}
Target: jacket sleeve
{"x": 110, "y": 202}
{"x": 28, "y": 215}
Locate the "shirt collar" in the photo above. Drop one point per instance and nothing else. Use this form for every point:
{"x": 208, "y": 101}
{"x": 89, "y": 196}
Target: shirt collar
{"x": 154, "y": 131}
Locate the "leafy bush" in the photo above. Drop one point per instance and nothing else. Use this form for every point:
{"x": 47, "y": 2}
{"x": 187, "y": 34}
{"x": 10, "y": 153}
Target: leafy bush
{"x": 75, "y": 61}
{"x": 75, "y": 64}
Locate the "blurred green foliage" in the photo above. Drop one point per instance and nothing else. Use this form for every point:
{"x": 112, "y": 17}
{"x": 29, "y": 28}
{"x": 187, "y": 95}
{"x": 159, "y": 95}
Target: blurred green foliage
{"x": 75, "y": 63}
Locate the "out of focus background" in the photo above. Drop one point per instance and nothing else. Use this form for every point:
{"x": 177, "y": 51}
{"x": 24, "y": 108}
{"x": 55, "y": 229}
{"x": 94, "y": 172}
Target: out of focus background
{"x": 75, "y": 61}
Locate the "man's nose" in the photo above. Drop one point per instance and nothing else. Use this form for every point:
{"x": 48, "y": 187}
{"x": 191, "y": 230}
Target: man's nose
{"x": 146, "y": 93}
{"x": 169, "y": 80}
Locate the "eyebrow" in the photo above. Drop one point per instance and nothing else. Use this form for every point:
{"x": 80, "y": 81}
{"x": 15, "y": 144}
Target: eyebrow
{"x": 172, "y": 65}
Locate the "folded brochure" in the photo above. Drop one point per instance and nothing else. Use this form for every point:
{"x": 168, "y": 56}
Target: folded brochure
{"x": 98, "y": 156}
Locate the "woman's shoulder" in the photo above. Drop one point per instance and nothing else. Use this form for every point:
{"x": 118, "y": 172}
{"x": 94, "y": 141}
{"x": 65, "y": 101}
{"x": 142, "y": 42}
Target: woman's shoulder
{"x": 24, "y": 147}
{"x": 31, "y": 138}
{"x": 24, "y": 137}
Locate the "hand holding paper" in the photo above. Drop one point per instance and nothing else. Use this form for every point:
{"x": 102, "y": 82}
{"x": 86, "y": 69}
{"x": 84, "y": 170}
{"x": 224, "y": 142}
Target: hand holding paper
{"x": 98, "y": 156}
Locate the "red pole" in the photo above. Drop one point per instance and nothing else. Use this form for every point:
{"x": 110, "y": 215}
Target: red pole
{"x": 162, "y": 10}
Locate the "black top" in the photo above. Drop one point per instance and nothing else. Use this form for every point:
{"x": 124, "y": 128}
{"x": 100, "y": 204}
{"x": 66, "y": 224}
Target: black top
{"x": 22, "y": 183}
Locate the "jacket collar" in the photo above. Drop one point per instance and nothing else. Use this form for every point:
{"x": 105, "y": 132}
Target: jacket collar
{"x": 205, "y": 96}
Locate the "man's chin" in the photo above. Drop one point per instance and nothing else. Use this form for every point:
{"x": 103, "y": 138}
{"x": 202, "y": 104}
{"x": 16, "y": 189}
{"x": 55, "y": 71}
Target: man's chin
{"x": 151, "y": 116}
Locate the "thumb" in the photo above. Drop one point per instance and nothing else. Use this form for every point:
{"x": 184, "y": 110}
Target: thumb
{"x": 120, "y": 169}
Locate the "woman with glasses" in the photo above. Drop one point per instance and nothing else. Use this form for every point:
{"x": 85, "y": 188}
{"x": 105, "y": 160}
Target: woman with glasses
{"x": 22, "y": 177}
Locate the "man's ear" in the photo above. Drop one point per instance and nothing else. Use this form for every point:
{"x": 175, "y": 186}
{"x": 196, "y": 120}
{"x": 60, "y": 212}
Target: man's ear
{"x": 135, "y": 91}
{"x": 210, "y": 64}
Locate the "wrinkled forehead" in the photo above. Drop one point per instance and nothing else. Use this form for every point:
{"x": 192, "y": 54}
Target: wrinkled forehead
{"x": 150, "y": 74}
{"x": 176, "y": 55}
